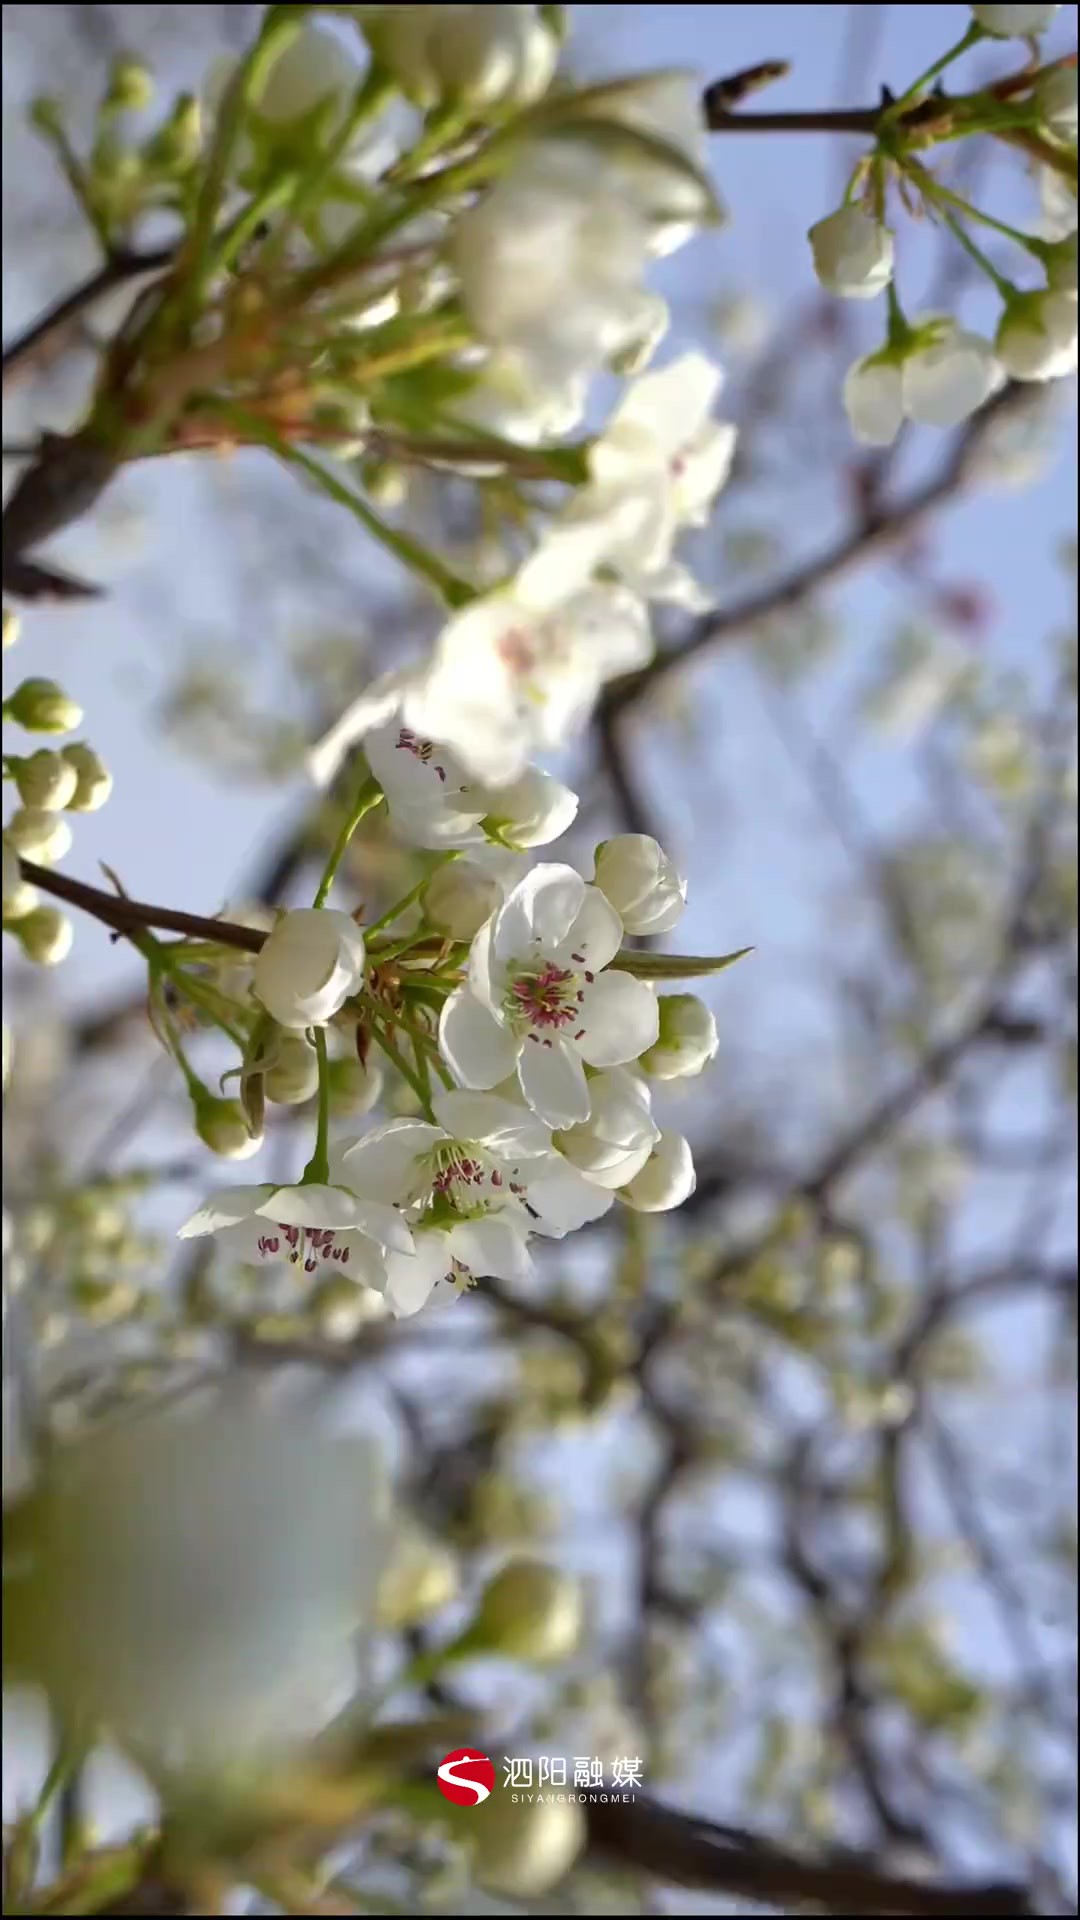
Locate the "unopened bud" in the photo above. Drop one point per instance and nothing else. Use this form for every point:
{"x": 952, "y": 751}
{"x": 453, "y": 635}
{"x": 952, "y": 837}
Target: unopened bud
{"x": 459, "y": 898}
{"x": 529, "y": 1612}
{"x": 522, "y": 1848}
{"x": 44, "y": 779}
{"x": 292, "y": 1072}
{"x": 93, "y": 781}
{"x": 131, "y": 89}
{"x": 354, "y": 1088}
{"x": 178, "y": 143}
{"x": 341, "y": 1307}
{"x": 11, "y": 627}
{"x": 221, "y": 1126}
{"x": 688, "y": 1038}
{"x": 42, "y": 707}
{"x": 421, "y": 1579}
{"x": 38, "y": 835}
{"x": 46, "y": 936}
{"x": 20, "y": 898}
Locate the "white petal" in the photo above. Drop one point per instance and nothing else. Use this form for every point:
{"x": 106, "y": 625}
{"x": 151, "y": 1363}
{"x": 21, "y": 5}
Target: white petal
{"x": 563, "y": 1199}
{"x": 382, "y": 1165}
{"x": 481, "y": 981}
{"x": 373, "y": 708}
{"x": 553, "y": 1081}
{"x": 494, "y": 1247}
{"x": 596, "y": 935}
{"x": 410, "y": 1277}
{"x": 539, "y": 913}
{"x": 621, "y": 1019}
{"x": 311, "y": 1206}
{"x": 501, "y": 1125}
{"x": 224, "y": 1209}
{"x": 478, "y": 1052}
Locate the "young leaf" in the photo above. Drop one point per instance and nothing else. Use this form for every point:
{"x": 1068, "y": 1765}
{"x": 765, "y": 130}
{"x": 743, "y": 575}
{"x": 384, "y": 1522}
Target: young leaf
{"x": 674, "y": 966}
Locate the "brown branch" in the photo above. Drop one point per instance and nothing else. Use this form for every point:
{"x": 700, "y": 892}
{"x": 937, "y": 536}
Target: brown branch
{"x": 678, "y": 1849}
{"x": 50, "y": 331}
{"x": 126, "y": 916}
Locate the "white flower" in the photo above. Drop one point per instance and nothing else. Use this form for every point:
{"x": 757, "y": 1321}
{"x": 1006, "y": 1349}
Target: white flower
{"x": 46, "y": 935}
{"x": 315, "y": 1229}
{"x": 44, "y": 779}
{"x": 688, "y": 1038}
{"x": 488, "y": 55}
{"x": 665, "y": 107}
{"x": 512, "y": 400}
{"x": 434, "y": 803}
{"x": 459, "y": 898}
{"x": 291, "y": 1075}
{"x": 853, "y": 253}
{"x": 874, "y": 398}
{"x": 656, "y": 468}
{"x": 552, "y": 259}
{"x": 355, "y": 1085}
{"x": 1037, "y": 337}
{"x": 538, "y": 1000}
{"x": 948, "y": 375}
{"x": 666, "y": 1180}
{"x": 308, "y": 966}
{"x": 1057, "y": 198}
{"x": 20, "y": 898}
{"x": 488, "y": 1158}
{"x": 93, "y": 781}
{"x": 1010, "y": 23}
{"x": 642, "y": 884}
{"x": 530, "y": 811}
{"x": 615, "y": 1142}
{"x": 1056, "y": 94}
{"x": 39, "y": 835}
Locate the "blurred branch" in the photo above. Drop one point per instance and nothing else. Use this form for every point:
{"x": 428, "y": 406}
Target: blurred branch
{"x": 124, "y": 916}
{"x": 52, "y": 332}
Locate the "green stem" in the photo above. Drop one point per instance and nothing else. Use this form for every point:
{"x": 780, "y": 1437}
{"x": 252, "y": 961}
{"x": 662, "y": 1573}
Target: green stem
{"x": 317, "y": 1171}
{"x": 368, "y": 797}
{"x": 455, "y": 592}
{"x": 973, "y": 34}
{"x": 1004, "y": 287}
{"x": 247, "y": 222}
{"x": 935, "y": 190}
{"x": 394, "y": 1054}
{"x": 374, "y": 92}
{"x": 407, "y": 899}
{"x": 68, "y": 1757}
{"x": 899, "y": 330}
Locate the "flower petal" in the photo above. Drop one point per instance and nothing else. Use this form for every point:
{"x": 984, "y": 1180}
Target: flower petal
{"x": 225, "y": 1208}
{"x": 501, "y": 1125}
{"x": 382, "y": 1165}
{"x": 477, "y": 1050}
{"x": 596, "y": 935}
{"x": 410, "y": 1277}
{"x": 539, "y": 912}
{"x": 621, "y": 1019}
{"x": 311, "y": 1206}
{"x": 492, "y": 1247}
{"x": 561, "y": 1199}
{"x": 553, "y": 1081}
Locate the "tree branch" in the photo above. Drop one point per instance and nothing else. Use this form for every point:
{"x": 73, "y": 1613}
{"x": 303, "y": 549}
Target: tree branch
{"x": 49, "y": 332}
{"x": 126, "y": 916}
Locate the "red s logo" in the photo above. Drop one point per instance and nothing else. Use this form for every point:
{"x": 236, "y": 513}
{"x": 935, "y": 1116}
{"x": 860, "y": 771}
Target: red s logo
{"x": 466, "y": 1777}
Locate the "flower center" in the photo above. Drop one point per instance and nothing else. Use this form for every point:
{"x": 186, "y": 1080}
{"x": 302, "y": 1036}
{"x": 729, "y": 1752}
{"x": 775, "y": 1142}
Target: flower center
{"x": 540, "y": 1001}
{"x": 306, "y": 1247}
{"x": 422, "y": 750}
{"x": 460, "y": 1178}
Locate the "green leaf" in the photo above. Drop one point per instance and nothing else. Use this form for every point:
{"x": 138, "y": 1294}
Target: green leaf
{"x": 674, "y": 966}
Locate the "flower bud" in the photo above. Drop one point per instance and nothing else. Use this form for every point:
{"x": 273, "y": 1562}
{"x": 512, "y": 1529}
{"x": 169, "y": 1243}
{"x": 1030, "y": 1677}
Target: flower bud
{"x": 44, "y": 779}
{"x": 1061, "y": 265}
{"x": 666, "y": 1180}
{"x": 1056, "y": 94}
{"x": 530, "y": 811}
{"x": 20, "y": 898}
{"x": 529, "y": 1612}
{"x": 491, "y": 55}
{"x": 307, "y": 968}
{"x": 42, "y": 707}
{"x": 11, "y": 627}
{"x": 177, "y": 145}
{"x": 341, "y": 1307}
{"x": 688, "y": 1038}
{"x": 1037, "y": 336}
{"x": 874, "y": 398}
{"x": 614, "y": 1143}
{"x": 38, "y": 835}
{"x": 355, "y": 1087}
{"x": 643, "y": 885}
{"x": 221, "y": 1126}
{"x": 853, "y": 253}
{"x": 292, "y": 1072}
{"x": 93, "y": 781}
{"x": 1014, "y": 23}
{"x": 46, "y": 936}
{"x": 459, "y": 898}
{"x": 421, "y": 1579}
{"x": 131, "y": 89}
{"x": 521, "y": 1850}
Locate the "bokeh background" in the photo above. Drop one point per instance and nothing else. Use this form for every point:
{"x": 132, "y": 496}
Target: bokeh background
{"x": 811, "y": 1441}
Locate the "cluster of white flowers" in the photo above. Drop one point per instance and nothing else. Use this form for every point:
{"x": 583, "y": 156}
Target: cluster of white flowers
{"x": 49, "y": 783}
{"x": 546, "y": 1044}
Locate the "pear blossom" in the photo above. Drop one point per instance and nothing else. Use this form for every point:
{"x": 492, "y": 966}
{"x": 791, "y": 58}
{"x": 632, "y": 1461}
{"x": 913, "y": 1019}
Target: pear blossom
{"x": 853, "y": 253}
{"x": 666, "y": 1179}
{"x": 1037, "y": 336}
{"x": 43, "y": 779}
{"x": 641, "y": 882}
{"x": 46, "y": 936}
{"x": 949, "y": 374}
{"x": 511, "y": 400}
{"x": 1014, "y": 23}
{"x": 483, "y": 56}
{"x": 93, "y": 781}
{"x": 315, "y": 1229}
{"x": 434, "y": 802}
{"x": 665, "y": 107}
{"x": 538, "y": 1000}
{"x": 1056, "y": 94}
{"x": 485, "y": 1157}
{"x": 1058, "y": 205}
{"x": 38, "y": 834}
{"x": 688, "y": 1038}
{"x": 874, "y": 398}
{"x": 656, "y": 468}
{"x": 458, "y": 899}
{"x": 615, "y": 1142}
{"x": 308, "y": 965}
{"x": 291, "y": 1075}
